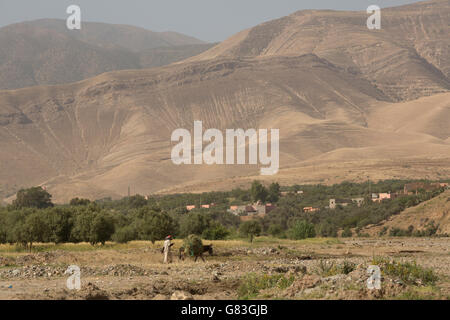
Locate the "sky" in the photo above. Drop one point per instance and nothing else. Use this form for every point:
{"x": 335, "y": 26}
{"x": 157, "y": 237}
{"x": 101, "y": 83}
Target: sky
{"x": 208, "y": 20}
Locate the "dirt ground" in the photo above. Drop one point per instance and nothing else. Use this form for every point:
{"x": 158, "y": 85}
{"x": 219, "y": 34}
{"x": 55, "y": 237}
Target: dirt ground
{"x": 135, "y": 270}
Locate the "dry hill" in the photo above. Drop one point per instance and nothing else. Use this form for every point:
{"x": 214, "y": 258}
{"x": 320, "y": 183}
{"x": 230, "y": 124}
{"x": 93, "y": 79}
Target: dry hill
{"x": 349, "y": 102}
{"x": 436, "y": 210}
{"x": 45, "y": 52}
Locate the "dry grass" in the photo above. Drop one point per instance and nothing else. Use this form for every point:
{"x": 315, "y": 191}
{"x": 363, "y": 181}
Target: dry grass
{"x": 82, "y": 247}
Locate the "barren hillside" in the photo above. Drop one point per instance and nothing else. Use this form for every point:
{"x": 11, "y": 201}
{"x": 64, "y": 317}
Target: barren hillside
{"x": 408, "y": 58}
{"x": 349, "y": 102}
{"x": 45, "y": 52}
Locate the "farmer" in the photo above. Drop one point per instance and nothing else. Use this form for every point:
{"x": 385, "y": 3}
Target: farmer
{"x": 166, "y": 250}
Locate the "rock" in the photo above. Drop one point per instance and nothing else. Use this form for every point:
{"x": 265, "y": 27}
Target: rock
{"x": 334, "y": 279}
{"x": 160, "y": 297}
{"x": 92, "y": 292}
{"x": 307, "y": 282}
{"x": 181, "y": 295}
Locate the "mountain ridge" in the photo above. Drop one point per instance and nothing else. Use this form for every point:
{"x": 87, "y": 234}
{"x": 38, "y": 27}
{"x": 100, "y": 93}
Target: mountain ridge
{"x": 96, "y": 137}
{"x": 45, "y": 52}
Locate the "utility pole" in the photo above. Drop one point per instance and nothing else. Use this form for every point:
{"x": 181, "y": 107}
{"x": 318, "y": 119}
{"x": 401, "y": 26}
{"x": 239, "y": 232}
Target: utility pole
{"x": 129, "y": 191}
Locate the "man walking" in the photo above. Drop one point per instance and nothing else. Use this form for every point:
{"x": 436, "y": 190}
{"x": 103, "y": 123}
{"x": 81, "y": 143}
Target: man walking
{"x": 166, "y": 249}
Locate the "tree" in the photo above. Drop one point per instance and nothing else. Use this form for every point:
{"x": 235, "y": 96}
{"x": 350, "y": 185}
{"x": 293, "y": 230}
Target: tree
{"x": 215, "y": 232}
{"x": 302, "y": 229}
{"x": 33, "y": 229}
{"x": 258, "y": 192}
{"x": 250, "y": 229}
{"x": 35, "y": 197}
{"x": 102, "y": 229}
{"x": 81, "y": 231}
{"x": 275, "y": 230}
{"x": 136, "y": 201}
{"x": 79, "y": 202}
{"x": 155, "y": 225}
{"x": 194, "y": 223}
{"x": 124, "y": 234}
{"x": 274, "y": 192}
{"x": 60, "y": 222}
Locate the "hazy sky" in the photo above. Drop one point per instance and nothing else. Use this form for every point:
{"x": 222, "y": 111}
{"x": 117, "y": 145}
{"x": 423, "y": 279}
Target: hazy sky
{"x": 209, "y": 20}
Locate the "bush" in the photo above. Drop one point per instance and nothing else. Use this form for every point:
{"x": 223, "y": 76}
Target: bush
{"x": 408, "y": 272}
{"x": 347, "y": 233}
{"x": 383, "y": 231}
{"x": 329, "y": 268}
{"x": 302, "y": 230}
{"x": 253, "y": 283}
{"x": 275, "y": 230}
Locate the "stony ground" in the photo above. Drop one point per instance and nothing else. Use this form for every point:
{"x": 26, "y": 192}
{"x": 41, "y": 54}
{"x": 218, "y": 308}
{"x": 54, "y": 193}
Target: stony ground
{"x": 135, "y": 271}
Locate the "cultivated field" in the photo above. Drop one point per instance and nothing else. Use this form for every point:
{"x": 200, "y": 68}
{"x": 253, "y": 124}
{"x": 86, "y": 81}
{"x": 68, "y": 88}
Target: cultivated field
{"x": 267, "y": 269}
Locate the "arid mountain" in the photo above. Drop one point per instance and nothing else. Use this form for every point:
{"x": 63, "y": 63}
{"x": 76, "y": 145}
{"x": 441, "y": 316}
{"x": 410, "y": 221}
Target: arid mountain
{"x": 407, "y": 59}
{"x": 45, "y": 52}
{"x": 349, "y": 102}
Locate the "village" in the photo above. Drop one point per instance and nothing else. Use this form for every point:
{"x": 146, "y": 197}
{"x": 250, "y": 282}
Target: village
{"x": 251, "y": 211}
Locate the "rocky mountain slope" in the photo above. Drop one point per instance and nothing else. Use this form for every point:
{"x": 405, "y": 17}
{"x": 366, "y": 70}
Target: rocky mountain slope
{"x": 349, "y": 102}
{"x": 45, "y": 52}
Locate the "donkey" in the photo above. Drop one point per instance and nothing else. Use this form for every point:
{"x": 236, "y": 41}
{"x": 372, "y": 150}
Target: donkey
{"x": 206, "y": 248}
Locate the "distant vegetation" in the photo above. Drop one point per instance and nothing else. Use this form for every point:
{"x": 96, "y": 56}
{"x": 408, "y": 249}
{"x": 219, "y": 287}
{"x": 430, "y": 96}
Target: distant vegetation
{"x": 32, "y": 217}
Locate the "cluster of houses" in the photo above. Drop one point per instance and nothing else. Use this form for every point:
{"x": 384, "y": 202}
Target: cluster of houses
{"x": 203, "y": 206}
{"x": 251, "y": 211}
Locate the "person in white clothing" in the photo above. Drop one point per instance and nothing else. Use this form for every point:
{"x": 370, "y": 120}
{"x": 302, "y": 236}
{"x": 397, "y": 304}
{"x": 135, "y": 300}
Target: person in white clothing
{"x": 166, "y": 249}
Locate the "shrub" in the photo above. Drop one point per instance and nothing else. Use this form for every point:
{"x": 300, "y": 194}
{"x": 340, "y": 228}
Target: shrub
{"x": 329, "y": 268}
{"x": 347, "y": 233}
{"x": 408, "y": 272}
{"x": 302, "y": 230}
{"x": 275, "y": 230}
{"x": 383, "y": 231}
{"x": 253, "y": 283}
